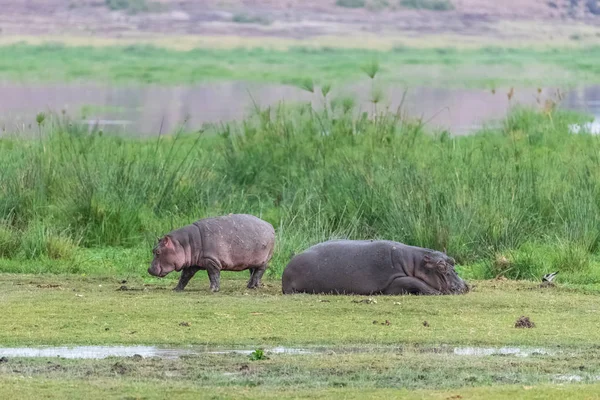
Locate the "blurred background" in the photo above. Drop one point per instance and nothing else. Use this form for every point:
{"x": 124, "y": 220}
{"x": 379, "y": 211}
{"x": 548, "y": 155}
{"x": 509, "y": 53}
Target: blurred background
{"x": 146, "y": 66}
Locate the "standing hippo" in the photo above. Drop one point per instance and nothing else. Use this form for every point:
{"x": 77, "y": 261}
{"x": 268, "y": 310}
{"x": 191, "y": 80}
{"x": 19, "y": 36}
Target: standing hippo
{"x": 367, "y": 267}
{"x": 230, "y": 243}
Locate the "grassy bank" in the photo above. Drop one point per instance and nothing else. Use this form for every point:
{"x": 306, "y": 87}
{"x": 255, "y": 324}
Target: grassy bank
{"x": 18, "y": 388}
{"x": 354, "y": 355}
{"x": 51, "y": 310}
{"x": 519, "y": 200}
{"x": 483, "y": 67}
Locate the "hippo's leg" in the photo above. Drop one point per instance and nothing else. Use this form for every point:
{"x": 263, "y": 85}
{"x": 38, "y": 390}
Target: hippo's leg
{"x": 256, "y": 276}
{"x": 252, "y": 271}
{"x": 408, "y": 285}
{"x": 214, "y": 275}
{"x": 186, "y": 275}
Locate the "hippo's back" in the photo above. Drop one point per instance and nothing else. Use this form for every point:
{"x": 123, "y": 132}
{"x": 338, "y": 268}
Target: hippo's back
{"x": 342, "y": 266}
{"x": 237, "y": 240}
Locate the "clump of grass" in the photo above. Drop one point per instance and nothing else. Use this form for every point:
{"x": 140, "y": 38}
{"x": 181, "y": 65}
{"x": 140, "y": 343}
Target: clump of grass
{"x": 40, "y": 241}
{"x": 243, "y": 18}
{"x": 378, "y": 5}
{"x": 258, "y": 355}
{"x": 132, "y": 6}
{"x": 9, "y": 241}
{"x": 435, "y": 5}
{"x": 351, "y": 3}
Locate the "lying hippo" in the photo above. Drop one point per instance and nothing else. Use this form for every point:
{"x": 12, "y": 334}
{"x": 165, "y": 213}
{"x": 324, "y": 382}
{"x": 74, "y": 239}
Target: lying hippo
{"x": 371, "y": 267}
{"x": 230, "y": 243}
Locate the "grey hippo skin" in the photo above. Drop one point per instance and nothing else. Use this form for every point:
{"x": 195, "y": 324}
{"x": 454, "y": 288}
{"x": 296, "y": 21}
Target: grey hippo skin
{"x": 230, "y": 243}
{"x": 366, "y": 267}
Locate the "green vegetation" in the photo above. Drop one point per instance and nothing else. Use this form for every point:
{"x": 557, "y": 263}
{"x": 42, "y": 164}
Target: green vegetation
{"x": 18, "y": 388}
{"x": 91, "y": 203}
{"x": 132, "y": 6}
{"x": 351, "y": 351}
{"x": 399, "y": 368}
{"x": 243, "y": 18}
{"x": 351, "y": 3}
{"x": 258, "y": 355}
{"x": 451, "y": 67}
{"x": 436, "y": 5}
{"x": 81, "y": 310}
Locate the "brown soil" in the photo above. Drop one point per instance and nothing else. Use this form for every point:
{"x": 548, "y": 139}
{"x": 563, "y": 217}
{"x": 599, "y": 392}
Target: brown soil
{"x": 524, "y": 322}
{"x": 287, "y": 19}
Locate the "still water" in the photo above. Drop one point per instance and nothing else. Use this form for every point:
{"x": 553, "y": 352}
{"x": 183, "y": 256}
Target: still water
{"x": 149, "y": 109}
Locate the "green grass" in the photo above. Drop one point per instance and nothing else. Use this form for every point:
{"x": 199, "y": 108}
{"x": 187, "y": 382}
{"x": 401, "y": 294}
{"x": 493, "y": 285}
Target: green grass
{"x": 436, "y": 5}
{"x": 73, "y": 202}
{"x": 133, "y": 6}
{"x": 81, "y": 310}
{"x": 243, "y": 18}
{"x": 18, "y": 388}
{"x": 353, "y": 355}
{"x": 351, "y": 3}
{"x": 450, "y": 67}
{"x": 407, "y": 370}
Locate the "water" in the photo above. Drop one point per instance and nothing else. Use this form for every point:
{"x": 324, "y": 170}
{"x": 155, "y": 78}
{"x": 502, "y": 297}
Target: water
{"x": 490, "y": 351}
{"x": 98, "y": 352}
{"x": 148, "y": 109}
{"x": 93, "y": 352}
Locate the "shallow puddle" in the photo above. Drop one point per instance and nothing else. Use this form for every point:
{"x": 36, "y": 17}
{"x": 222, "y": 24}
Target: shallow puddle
{"x": 94, "y": 352}
{"x": 98, "y": 352}
{"x": 577, "y": 378}
{"x": 505, "y": 351}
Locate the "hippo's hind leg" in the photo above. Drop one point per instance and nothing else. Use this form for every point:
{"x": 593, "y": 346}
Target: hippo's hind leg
{"x": 408, "y": 285}
{"x": 256, "y": 276}
{"x": 252, "y": 271}
{"x": 186, "y": 275}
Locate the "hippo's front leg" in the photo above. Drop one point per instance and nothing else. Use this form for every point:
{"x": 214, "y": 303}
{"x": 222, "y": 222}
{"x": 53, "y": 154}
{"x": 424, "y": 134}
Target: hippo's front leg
{"x": 186, "y": 275}
{"x": 409, "y": 285}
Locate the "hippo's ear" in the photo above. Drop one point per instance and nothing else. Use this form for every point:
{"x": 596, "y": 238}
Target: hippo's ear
{"x": 168, "y": 243}
{"x": 444, "y": 250}
{"x": 427, "y": 259}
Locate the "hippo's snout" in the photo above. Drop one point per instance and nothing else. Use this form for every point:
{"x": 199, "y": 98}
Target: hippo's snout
{"x": 461, "y": 288}
{"x": 156, "y": 272}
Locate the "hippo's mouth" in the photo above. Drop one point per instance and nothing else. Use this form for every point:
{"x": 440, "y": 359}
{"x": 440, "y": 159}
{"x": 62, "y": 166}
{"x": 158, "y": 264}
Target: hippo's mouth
{"x": 160, "y": 274}
{"x": 464, "y": 288}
